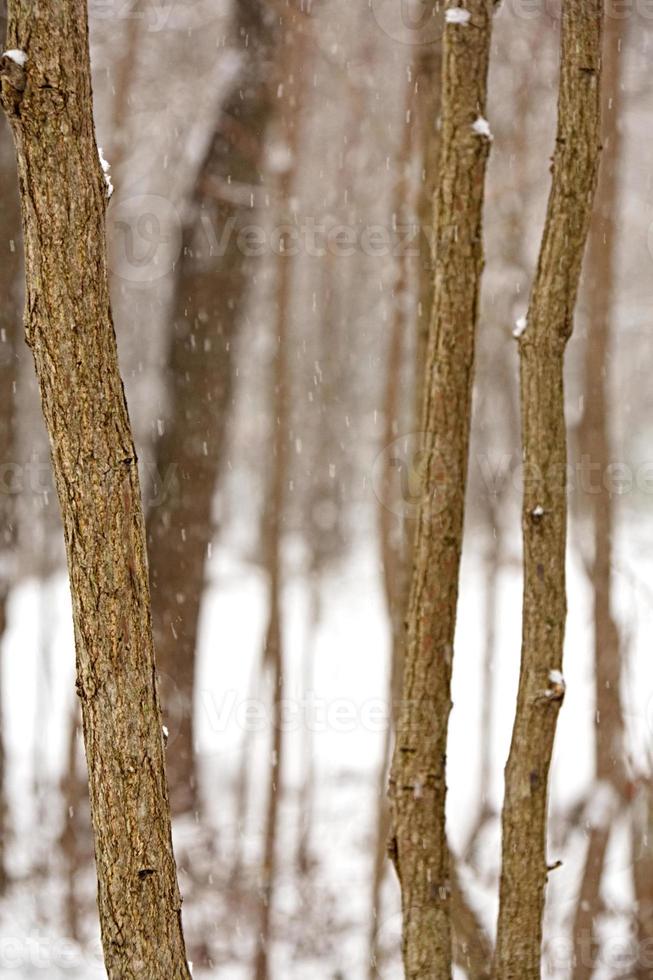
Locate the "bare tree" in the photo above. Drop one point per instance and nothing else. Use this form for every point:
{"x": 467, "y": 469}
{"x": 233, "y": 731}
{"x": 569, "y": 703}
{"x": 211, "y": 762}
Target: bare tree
{"x": 544, "y": 516}
{"x": 46, "y": 93}
{"x": 294, "y": 28}
{"x": 595, "y": 443}
{"x": 210, "y": 298}
{"x": 418, "y": 782}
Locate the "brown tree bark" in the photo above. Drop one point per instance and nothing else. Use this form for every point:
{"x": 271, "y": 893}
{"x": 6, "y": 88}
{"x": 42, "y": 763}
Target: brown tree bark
{"x": 211, "y": 294}
{"x": 418, "y": 781}
{"x": 544, "y": 515}
{"x": 595, "y": 445}
{"x": 69, "y": 328}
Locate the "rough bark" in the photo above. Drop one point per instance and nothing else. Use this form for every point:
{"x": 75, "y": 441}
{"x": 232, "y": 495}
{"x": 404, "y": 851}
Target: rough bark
{"x": 70, "y": 331}
{"x": 417, "y": 783}
{"x": 595, "y": 445}
{"x": 211, "y": 294}
{"x": 544, "y": 514}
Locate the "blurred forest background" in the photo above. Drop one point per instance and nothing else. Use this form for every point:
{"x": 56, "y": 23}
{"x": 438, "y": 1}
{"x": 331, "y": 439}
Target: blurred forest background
{"x": 269, "y": 250}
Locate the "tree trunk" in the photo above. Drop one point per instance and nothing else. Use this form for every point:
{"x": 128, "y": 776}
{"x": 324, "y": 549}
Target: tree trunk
{"x": 642, "y": 864}
{"x": 417, "y": 784}
{"x": 595, "y": 445}
{"x": 70, "y": 331}
{"x": 211, "y": 295}
{"x": 295, "y": 32}
{"x": 544, "y": 516}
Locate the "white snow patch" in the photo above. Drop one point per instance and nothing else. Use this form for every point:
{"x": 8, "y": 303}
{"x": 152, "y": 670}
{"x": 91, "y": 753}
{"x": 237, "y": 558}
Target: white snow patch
{"x": 279, "y": 158}
{"x": 17, "y": 56}
{"x": 555, "y": 677}
{"x": 482, "y": 128}
{"x": 106, "y": 167}
{"x": 457, "y": 15}
{"x": 520, "y": 326}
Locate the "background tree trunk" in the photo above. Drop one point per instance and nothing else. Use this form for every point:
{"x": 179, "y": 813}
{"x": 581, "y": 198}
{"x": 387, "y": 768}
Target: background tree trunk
{"x": 70, "y": 331}
{"x": 595, "y": 444}
{"x": 211, "y": 296}
{"x": 295, "y": 28}
{"x": 544, "y": 515}
{"x": 418, "y": 780}
{"x": 10, "y": 331}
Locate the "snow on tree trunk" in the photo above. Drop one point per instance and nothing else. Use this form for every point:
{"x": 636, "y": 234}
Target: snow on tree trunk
{"x": 417, "y": 782}
{"x": 544, "y": 516}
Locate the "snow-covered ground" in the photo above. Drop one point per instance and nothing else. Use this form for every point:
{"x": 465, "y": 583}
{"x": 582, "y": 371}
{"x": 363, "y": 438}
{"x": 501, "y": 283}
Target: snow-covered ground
{"x": 322, "y": 918}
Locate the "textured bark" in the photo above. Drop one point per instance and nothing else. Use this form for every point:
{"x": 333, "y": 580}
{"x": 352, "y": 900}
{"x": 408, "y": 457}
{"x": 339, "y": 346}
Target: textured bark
{"x": 211, "y": 293}
{"x": 70, "y": 331}
{"x": 544, "y": 514}
{"x": 417, "y": 783}
{"x": 595, "y": 445}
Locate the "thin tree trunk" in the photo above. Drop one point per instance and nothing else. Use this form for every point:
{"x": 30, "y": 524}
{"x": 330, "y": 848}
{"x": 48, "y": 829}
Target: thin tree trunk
{"x": 418, "y": 781}
{"x": 472, "y": 950}
{"x": 392, "y": 533}
{"x": 210, "y": 301}
{"x": 544, "y": 516}
{"x": 290, "y": 87}
{"x": 70, "y": 331}
{"x": 642, "y": 864}
{"x": 304, "y": 860}
{"x": 595, "y": 444}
